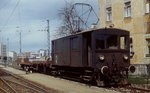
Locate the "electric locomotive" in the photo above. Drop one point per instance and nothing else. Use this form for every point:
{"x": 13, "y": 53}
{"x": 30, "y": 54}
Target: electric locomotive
{"x": 99, "y": 55}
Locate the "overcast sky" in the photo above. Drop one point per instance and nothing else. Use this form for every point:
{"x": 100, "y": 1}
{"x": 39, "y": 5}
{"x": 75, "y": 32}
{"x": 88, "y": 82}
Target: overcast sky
{"x": 29, "y": 17}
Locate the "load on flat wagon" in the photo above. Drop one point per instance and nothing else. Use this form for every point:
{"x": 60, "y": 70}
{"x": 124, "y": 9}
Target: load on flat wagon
{"x": 100, "y": 55}
{"x": 34, "y": 65}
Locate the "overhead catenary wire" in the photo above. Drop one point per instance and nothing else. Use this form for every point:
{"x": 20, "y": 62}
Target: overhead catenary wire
{"x": 83, "y": 17}
{"x": 5, "y": 4}
{"x": 10, "y": 15}
{"x": 19, "y": 16}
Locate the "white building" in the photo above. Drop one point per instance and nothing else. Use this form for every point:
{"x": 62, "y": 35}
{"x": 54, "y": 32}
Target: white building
{"x": 3, "y": 51}
{"x": 12, "y": 55}
{"x": 42, "y": 52}
{"x": 25, "y": 54}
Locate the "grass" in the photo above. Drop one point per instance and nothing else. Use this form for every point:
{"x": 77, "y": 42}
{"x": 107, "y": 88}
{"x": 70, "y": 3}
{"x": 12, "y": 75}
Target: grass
{"x": 142, "y": 79}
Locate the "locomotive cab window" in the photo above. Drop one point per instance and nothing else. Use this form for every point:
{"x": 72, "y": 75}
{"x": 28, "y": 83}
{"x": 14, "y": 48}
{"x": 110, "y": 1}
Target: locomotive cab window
{"x": 112, "y": 42}
{"x": 106, "y": 42}
{"x": 100, "y": 41}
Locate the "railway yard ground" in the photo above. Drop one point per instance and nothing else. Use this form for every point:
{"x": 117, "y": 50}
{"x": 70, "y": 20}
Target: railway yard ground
{"x": 58, "y": 85}
{"x": 51, "y": 84}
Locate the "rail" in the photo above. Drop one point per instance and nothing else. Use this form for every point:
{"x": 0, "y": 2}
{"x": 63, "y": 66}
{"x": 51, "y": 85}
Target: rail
{"x": 18, "y": 82}
{"x": 6, "y": 88}
{"x": 30, "y": 84}
{"x": 138, "y": 90}
{"x": 3, "y": 91}
{"x": 130, "y": 89}
{"x": 23, "y": 86}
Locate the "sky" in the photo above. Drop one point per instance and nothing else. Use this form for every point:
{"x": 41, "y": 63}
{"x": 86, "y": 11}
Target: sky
{"x": 29, "y": 17}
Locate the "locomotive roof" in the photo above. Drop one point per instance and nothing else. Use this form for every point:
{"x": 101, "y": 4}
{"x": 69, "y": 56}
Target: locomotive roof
{"x": 102, "y": 30}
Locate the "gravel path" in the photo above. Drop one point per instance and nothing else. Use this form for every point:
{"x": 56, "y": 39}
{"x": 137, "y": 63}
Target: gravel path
{"x": 61, "y": 85}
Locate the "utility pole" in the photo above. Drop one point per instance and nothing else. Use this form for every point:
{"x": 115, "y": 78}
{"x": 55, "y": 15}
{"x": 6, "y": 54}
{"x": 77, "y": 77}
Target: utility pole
{"x": 48, "y": 38}
{"x": 20, "y": 43}
{"x": 7, "y": 49}
{"x": 20, "y": 40}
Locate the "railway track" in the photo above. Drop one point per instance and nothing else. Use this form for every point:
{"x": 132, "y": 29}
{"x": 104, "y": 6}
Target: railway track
{"x": 5, "y": 87}
{"x": 131, "y": 89}
{"x": 14, "y": 84}
{"x": 126, "y": 89}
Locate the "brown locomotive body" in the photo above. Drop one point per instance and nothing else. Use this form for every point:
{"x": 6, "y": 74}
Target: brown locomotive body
{"x": 101, "y": 55}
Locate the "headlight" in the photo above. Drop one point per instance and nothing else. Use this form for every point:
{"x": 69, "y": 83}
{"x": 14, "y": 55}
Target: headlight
{"x": 101, "y": 57}
{"x": 125, "y": 57}
{"x": 104, "y": 70}
{"x": 132, "y": 68}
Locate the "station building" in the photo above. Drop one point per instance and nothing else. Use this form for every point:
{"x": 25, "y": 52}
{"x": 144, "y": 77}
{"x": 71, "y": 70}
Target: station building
{"x": 131, "y": 15}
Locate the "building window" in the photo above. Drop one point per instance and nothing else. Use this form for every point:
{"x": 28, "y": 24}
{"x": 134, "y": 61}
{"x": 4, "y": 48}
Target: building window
{"x": 108, "y": 14}
{"x": 148, "y": 28}
{"x": 147, "y": 6}
{"x": 127, "y": 9}
{"x": 148, "y": 48}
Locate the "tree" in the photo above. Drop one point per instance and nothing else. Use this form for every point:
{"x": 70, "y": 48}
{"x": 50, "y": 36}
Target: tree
{"x": 75, "y": 18}
{"x": 68, "y": 20}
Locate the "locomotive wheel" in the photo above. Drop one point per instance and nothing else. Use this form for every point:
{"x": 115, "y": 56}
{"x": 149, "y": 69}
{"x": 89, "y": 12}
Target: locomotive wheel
{"x": 98, "y": 81}
{"x": 124, "y": 82}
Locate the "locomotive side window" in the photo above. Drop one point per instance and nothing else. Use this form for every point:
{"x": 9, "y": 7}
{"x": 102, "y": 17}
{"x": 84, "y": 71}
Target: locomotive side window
{"x": 53, "y": 45}
{"x": 56, "y": 45}
{"x": 75, "y": 43}
{"x": 123, "y": 42}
